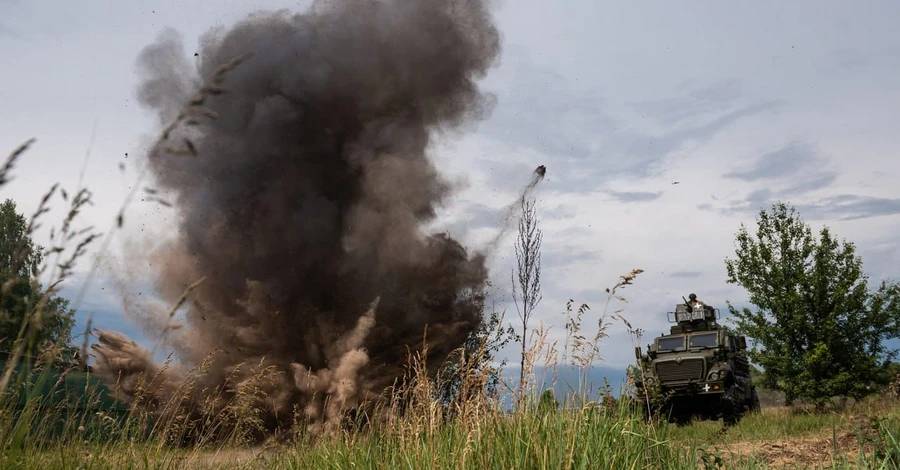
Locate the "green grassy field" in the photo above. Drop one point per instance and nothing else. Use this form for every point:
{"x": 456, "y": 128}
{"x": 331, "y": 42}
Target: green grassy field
{"x": 611, "y": 435}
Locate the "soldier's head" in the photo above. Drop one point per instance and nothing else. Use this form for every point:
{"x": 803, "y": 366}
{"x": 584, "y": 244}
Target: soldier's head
{"x": 693, "y": 297}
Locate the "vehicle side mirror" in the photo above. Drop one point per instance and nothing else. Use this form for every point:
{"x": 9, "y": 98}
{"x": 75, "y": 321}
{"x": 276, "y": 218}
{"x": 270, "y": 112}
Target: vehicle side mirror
{"x": 637, "y": 353}
{"x": 742, "y": 342}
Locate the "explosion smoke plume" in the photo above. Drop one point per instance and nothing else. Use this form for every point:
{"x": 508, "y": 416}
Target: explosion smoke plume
{"x": 301, "y": 195}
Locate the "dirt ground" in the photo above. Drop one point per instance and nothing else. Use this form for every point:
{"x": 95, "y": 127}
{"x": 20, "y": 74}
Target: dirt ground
{"x": 820, "y": 451}
{"x": 232, "y": 459}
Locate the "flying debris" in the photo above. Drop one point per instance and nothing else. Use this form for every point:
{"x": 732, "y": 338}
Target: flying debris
{"x": 511, "y": 210}
{"x": 676, "y": 182}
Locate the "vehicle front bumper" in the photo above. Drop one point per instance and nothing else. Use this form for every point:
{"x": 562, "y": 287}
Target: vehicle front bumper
{"x": 694, "y": 388}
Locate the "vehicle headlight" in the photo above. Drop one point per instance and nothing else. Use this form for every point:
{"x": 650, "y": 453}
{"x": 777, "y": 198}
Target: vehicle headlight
{"x": 714, "y": 375}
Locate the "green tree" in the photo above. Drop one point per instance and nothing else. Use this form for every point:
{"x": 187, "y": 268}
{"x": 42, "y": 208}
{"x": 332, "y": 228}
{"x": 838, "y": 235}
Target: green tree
{"x": 819, "y": 331}
{"x": 474, "y": 375}
{"x": 22, "y": 298}
{"x": 548, "y": 402}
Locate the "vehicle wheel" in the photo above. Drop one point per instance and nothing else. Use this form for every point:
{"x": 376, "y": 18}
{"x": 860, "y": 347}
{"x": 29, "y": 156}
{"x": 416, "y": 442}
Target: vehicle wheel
{"x": 682, "y": 418}
{"x": 754, "y": 401}
{"x": 732, "y": 407}
{"x": 640, "y": 406}
{"x": 639, "y": 403}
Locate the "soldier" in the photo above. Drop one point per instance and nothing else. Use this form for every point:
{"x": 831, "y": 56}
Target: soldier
{"x": 695, "y": 302}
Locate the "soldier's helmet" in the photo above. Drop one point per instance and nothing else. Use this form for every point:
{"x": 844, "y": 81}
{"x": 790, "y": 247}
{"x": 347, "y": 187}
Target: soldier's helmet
{"x": 693, "y": 297}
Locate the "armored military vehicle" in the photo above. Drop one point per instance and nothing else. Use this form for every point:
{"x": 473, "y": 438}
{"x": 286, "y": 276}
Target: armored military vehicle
{"x": 699, "y": 370}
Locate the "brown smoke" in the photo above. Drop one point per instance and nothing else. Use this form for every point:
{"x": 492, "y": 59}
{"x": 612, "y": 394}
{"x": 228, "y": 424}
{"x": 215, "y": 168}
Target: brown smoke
{"x": 301, "y": 195}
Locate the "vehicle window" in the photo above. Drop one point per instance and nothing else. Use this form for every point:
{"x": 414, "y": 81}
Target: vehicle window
{"x": 705, "y": 340}
{"x": 671, "y": 344}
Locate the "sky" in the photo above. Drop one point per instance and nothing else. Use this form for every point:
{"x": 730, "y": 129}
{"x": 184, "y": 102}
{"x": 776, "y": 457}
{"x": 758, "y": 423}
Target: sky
{"x": 742, "y": 105}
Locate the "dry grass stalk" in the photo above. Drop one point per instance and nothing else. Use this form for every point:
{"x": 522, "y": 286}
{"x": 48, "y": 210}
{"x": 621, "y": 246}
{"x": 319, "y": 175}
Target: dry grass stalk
{"x": 474, "y": 400}
{"x": 583, "y": 350}
{"x": 636, "y": 334}
{"x": 178, "y": 303}
{"x": 11, "y": 160}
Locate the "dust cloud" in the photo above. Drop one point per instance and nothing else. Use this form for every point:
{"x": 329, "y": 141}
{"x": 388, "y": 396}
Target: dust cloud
{"x": 301, "y": 186}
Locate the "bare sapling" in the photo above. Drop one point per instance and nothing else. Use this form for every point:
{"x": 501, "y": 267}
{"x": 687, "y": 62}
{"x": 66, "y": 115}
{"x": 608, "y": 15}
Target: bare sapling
{"x": 527, "y": 278}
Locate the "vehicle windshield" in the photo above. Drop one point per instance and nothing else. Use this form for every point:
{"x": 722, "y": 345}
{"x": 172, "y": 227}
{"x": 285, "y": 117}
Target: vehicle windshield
{"x": 705, "y": 340}
{"x": 674, "y": 343}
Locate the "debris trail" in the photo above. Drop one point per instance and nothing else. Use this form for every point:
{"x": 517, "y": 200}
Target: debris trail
{"x": 509, "y": 213}
{"x": 301, "y": 193}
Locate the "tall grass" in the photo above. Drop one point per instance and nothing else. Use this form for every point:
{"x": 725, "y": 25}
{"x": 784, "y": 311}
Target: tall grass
{"x": 589, "y": 437}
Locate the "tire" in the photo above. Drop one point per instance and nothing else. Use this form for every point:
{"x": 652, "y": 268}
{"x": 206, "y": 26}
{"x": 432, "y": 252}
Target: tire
{"x": 681, "y": 418}
{"x": 732, "y": 406}
{"x": 754, "y": 406}
{"x": 639, "y": 403}
{"x": 640, "y": 406}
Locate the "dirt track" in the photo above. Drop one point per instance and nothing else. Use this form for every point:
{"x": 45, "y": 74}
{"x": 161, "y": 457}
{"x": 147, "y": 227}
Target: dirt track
{"x": 843, "y": 444}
